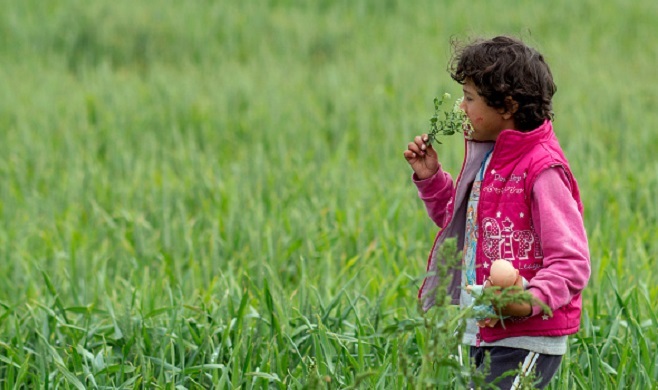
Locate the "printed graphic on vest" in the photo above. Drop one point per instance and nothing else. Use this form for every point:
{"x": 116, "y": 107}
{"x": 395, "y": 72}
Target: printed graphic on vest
{"x": 511, "y": 185}
{"x": 503, "y": 242}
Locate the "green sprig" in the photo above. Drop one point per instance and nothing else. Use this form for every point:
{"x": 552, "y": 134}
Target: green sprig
{"x": 446, "y": 122}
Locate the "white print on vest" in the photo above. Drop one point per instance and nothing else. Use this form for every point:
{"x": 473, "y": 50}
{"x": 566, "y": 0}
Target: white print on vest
{"x": 512, "y": 186}
{"x": 499, "y": 244}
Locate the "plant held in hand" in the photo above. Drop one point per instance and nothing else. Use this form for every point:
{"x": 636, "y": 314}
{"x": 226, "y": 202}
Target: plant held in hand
{"x": 453, "y": 121}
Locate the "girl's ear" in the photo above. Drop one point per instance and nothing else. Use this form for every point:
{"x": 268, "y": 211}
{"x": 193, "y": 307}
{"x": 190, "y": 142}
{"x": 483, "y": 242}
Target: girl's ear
{"x": 511, "y": 106}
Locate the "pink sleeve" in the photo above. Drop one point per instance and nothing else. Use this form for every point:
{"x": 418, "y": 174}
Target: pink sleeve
{"x": 560, "y": 227}
{"x": 435, "y": 192}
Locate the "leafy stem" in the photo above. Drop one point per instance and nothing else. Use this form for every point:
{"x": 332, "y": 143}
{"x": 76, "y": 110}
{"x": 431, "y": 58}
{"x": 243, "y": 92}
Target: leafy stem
{"x": 447, "y": 122}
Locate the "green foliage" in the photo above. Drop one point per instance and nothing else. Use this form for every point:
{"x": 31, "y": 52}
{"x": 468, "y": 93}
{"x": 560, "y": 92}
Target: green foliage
{"x": 453, "y": 121}
{"x": 441, "y": 364}
{"x": 212, "y": 194}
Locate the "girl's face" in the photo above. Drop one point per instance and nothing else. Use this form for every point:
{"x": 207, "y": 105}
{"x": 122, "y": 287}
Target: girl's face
{"x": 487, "y": 122}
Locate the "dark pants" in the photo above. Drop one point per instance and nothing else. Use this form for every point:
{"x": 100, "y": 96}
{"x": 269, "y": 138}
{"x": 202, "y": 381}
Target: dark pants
{"x": 504, "y": 359}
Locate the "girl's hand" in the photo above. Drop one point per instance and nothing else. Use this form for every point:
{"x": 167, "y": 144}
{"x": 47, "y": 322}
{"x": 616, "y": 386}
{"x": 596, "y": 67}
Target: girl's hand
{"x": 520, "y": 309}
{"x": 422, "y": 157}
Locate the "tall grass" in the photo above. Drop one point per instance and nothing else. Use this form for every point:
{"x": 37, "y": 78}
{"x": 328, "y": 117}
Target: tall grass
{"x": 212, "y": 194}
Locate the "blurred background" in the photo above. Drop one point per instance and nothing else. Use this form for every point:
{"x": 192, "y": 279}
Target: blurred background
{"x": 177, "y": 161}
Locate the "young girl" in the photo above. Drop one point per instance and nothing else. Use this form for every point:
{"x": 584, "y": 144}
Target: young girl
{"x": 515, "y": 199}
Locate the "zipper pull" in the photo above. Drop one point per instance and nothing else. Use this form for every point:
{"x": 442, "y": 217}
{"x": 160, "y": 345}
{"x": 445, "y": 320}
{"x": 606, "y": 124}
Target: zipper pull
{"x": 478, "y": 339}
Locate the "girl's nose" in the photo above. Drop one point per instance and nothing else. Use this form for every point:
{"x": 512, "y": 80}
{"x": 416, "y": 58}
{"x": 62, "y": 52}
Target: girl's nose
{"x": 462, "y": 106}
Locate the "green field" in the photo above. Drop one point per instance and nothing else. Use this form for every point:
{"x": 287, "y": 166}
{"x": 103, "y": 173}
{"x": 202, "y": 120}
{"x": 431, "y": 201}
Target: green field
{"x": 207, "y": 194}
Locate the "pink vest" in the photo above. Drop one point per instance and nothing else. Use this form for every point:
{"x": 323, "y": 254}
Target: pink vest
{"x": 505, "y": 223}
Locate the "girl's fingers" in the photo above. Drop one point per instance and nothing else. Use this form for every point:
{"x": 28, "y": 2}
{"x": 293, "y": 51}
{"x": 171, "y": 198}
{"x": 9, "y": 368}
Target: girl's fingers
{"x": 418, "y": 148}
{"x": 409, "y": 155}
{"x": 420, "y": 141}
{"x": 415, "y": 148}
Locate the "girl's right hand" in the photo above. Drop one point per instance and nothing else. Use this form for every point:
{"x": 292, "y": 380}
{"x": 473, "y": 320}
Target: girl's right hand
{"x": 422, "y": 157}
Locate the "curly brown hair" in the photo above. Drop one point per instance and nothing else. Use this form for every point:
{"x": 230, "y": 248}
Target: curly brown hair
{"x": 504, "y": 67}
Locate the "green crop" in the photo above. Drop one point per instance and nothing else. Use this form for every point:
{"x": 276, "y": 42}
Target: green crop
{"x": 211, "y": 195}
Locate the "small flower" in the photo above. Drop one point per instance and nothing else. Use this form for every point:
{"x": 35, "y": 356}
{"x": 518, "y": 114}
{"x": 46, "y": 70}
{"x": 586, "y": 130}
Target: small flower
{"x": 458, "y": 103}
{"x": 467, "y": 129}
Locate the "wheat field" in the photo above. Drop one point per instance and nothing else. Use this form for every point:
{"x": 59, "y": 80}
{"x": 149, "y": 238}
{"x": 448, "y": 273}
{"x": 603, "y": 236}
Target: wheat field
{"x": 212, "y": 194}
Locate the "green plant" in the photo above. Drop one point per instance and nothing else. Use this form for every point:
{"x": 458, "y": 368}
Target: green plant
{"x": 442, "y": 329}
{"x": 453, "y": 121}
{"x": 157, "y": 227}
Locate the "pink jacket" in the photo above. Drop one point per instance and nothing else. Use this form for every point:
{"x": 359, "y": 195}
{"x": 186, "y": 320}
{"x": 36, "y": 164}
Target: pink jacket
{"x": 528, "y": 214}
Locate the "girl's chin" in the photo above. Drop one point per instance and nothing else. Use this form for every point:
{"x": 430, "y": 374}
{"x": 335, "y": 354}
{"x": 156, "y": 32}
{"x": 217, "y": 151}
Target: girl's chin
{"x": 475, "y": 136}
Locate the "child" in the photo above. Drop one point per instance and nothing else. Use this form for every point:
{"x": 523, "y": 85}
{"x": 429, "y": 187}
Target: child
{"x": 515, "y": 199}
